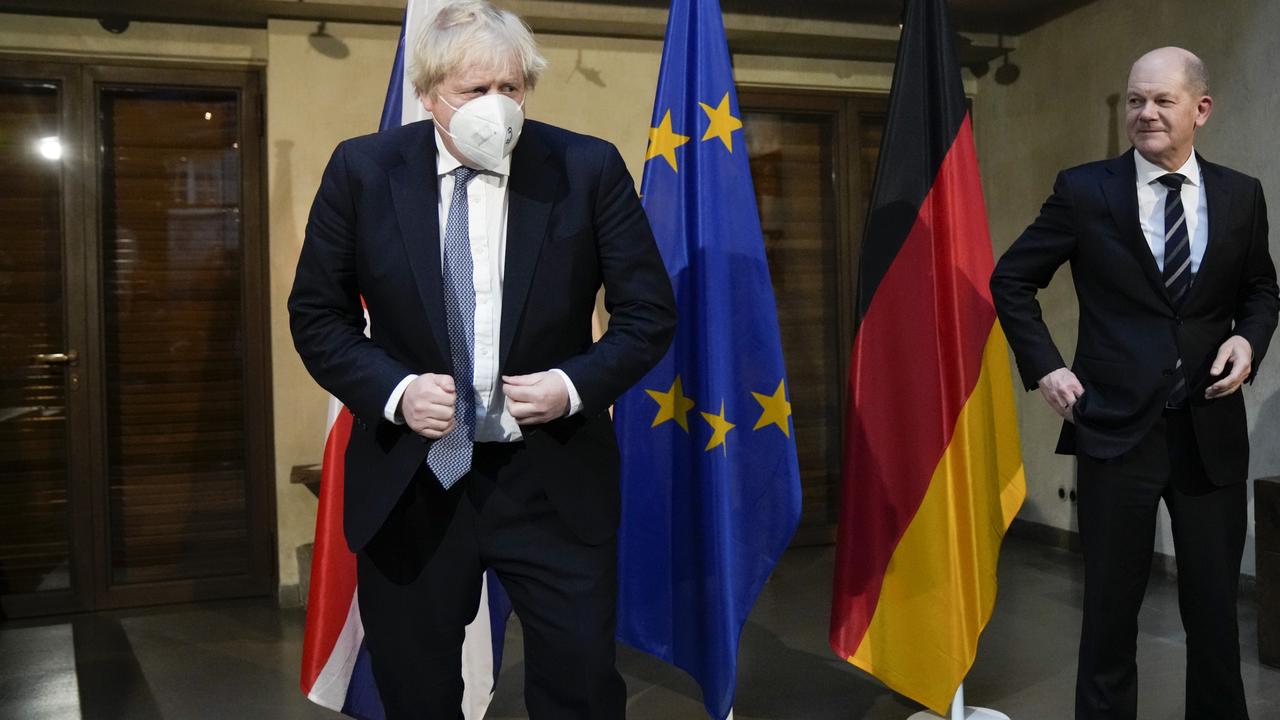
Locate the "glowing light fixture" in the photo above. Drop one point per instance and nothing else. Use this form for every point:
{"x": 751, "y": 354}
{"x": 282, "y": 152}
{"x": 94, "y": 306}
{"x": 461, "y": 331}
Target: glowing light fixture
{"x": 50, "y": 148}
{"x": 208, "y": 116}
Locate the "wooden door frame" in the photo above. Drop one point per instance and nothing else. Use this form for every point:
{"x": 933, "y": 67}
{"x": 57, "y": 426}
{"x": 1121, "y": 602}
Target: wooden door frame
{"x": 76, "y": 304}
{"x": 82, "y": 243}
{"x": 845, "y": 109}
{"x": 255, "y": 301}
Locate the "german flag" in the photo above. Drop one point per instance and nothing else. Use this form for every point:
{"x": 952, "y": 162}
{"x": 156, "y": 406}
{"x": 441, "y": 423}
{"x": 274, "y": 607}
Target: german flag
{"x": 932, "y": 469}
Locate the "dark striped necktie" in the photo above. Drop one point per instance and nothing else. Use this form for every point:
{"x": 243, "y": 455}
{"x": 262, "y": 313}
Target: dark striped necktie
{"x": 1177, "y": 243}
{"x": 1177, "y": 265}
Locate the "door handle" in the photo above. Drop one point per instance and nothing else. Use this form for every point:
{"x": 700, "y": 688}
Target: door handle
{"x": 67, "y": 358}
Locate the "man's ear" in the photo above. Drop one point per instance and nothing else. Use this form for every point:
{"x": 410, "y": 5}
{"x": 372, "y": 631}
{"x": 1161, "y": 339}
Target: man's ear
{"x": 427, "y": 100}
{"x": 1204, "y": 108}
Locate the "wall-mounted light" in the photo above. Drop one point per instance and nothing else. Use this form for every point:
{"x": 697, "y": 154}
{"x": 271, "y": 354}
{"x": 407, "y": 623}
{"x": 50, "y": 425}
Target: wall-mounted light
{"x": 50, "y": 148}
{"x": 208, "y": 116}
{"x": 1007, "y": 73}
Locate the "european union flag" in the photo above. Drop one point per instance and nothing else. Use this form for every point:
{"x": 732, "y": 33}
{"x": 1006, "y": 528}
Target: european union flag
{"x": 710, "y": 481}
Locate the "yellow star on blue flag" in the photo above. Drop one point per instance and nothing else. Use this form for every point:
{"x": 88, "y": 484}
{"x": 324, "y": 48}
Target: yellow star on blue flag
{"x": 663, "y": 142}
{"x": 672, "y": 405}
{"x": 722, "y": 123}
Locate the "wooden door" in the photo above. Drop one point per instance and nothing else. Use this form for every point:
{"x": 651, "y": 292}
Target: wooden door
{"x": 172, "y": 499}
{"x": 812, "y": 161}
{"x": 42, "y": 397}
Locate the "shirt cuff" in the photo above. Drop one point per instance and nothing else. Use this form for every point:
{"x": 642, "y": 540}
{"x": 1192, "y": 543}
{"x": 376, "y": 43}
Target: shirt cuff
{"x": 575, "y": 402}
{"x": 392, "y": 410}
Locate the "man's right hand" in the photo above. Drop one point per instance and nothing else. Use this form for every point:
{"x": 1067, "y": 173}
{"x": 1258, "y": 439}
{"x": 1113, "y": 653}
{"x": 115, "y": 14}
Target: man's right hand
{"x": 1061, "y": 388}
{"x": 427, "y": 405}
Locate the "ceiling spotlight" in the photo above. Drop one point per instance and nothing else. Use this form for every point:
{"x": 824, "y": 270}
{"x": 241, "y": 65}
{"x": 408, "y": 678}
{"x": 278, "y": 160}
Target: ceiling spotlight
{"x": 114, "y": 25}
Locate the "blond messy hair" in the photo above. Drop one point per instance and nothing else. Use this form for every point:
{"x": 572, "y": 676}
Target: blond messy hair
{"x": 473, "y": 34}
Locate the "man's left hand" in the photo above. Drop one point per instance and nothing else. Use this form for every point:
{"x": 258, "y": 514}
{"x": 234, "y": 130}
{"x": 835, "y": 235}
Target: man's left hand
{"x": 1237, "y": 354}
{"x": 536, "y": 398}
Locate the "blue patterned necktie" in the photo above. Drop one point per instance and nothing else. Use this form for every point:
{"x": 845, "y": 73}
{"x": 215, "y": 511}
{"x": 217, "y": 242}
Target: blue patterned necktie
{"x": 450, "y": 456}
{"x": 1177, "y": 265}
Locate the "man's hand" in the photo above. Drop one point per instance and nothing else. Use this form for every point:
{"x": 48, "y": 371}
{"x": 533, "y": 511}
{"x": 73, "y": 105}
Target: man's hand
{"x": 1061, "y": 388}
{"x": 1237, "y": 354}
{"x": 427, "y": 405}
{"x": 536, "y": 398}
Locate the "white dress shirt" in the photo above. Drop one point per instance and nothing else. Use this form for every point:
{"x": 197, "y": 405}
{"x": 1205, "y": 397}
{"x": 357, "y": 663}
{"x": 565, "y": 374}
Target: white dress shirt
{"x": 1151, "y": 197}
{"x": 487, "y": 228}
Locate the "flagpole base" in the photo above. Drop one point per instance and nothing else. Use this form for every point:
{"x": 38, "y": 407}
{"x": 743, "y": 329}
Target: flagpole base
{"x": 970, "y": 713}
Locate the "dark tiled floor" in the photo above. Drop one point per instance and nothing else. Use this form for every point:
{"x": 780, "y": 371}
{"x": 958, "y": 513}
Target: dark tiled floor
{"x": 240, "y": 659}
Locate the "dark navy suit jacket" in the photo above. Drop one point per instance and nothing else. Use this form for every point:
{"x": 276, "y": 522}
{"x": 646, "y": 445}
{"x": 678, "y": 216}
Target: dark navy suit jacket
{"x": 574, "y": 223}
{"x": 1130, "y": 335}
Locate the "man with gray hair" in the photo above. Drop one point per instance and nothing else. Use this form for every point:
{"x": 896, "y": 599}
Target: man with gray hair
{"x": 482, "y": 437}
{"x": 1178, "y": 302}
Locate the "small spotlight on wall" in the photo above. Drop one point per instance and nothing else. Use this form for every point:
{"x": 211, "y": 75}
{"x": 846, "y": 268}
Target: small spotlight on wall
{"x": 50, "y": 148}
{"x": 208, "y": 116}
{"x": 1007, "y": 73}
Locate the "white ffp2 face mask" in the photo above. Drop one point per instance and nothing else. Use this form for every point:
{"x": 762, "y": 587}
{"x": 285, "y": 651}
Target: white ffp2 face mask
{"x": 486, "y": 129}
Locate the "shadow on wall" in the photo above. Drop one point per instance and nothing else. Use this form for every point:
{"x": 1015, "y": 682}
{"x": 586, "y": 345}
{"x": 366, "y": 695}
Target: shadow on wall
{"x": 1262, "y": 442}
{"x": 590, "y": 74}
{"x": 282, "y": 188}
{"x": 1113, "y": 127}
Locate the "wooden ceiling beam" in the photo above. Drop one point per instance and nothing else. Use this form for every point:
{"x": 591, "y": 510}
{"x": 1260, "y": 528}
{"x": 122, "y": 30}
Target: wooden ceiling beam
{"x": 256, "y": 13}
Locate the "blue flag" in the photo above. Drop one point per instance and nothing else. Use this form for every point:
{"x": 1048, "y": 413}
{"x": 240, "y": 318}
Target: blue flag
{"x": 710, "y": 481}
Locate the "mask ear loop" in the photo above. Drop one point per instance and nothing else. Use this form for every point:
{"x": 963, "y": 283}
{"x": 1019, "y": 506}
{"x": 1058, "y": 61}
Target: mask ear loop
{"x": 441, "y": 127}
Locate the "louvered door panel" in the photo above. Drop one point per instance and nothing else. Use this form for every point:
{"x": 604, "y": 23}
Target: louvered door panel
{"x": 35, "y": 532}
{"x": 812, "y": 158}
{"x": 173, "y": 319}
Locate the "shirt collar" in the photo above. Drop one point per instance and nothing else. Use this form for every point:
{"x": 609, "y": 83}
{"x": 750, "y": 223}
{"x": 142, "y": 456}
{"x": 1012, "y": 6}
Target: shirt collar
{"x": 1149, "y": 172}
{"x": 447, "y": 163}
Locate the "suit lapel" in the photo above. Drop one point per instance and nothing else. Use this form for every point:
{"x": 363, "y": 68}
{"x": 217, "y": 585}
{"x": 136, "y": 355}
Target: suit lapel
{"x": 533, "y": 185}
{"x": 414, "y": 191}
{"x": 1217, "y": 207}
{"x": 1121, "y": 192}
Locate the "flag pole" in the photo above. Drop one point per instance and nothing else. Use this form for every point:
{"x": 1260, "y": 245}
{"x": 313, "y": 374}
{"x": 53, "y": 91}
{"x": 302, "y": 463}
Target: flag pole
{"x": 959, "y": 711}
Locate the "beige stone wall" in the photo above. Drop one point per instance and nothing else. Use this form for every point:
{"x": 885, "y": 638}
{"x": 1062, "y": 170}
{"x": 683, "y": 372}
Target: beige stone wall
{"x": 1058, "y": 114}
{"x": 313, "y": 103}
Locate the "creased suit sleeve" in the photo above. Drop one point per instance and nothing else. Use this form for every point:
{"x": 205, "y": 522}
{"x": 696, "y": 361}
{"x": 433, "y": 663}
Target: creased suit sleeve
{"x": 325, "y": 314}
{"x": 1026, "y": 268}
{"x": 637, "y": 294}
{"x": 1257, "y": 302}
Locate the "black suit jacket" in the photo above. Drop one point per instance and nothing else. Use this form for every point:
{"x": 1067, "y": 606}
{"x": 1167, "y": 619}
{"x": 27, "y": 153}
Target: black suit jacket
{"x": 1130, "y": 335}
{"x": 574, "y": 223}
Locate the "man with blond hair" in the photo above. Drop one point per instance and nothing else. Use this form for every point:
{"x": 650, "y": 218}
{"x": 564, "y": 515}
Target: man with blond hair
{"x": 1178, "y": 302}
{"x": 482, "y": 438}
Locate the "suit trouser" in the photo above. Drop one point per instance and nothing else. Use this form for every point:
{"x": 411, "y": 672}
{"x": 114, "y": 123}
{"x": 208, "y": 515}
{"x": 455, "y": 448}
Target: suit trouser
{"x": 420, "y": 578}
{"x": 1118, "y": 501}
